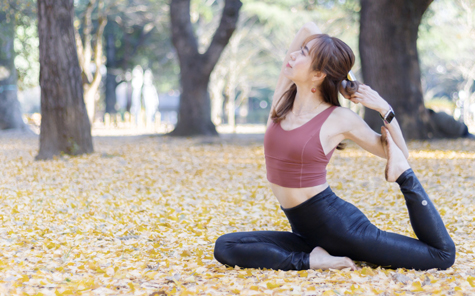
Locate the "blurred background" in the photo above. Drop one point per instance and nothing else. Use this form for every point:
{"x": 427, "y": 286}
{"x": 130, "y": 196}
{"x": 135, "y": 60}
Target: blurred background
{"x": 132, "y": 67}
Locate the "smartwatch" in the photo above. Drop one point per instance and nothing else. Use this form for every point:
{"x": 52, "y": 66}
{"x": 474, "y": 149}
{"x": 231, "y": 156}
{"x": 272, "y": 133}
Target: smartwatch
{"x": 389, "y": 115}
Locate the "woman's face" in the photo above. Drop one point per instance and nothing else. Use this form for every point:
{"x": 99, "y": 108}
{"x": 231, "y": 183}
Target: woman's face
{"x": 298, "y": 69}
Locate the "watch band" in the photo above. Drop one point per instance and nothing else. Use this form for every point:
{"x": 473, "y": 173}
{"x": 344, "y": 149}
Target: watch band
{"x": 388, "y": 117}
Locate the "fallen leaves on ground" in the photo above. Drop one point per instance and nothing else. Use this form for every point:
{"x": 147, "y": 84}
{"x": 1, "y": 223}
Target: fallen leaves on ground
{"x": 140, "y": 216}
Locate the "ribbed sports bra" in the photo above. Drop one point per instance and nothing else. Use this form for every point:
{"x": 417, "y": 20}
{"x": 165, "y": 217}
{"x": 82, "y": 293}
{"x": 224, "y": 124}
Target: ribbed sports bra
{"x": 295, "y": 158}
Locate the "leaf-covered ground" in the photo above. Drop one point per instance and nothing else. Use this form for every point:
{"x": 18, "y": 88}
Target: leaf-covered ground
{"x": 141, "y": 215}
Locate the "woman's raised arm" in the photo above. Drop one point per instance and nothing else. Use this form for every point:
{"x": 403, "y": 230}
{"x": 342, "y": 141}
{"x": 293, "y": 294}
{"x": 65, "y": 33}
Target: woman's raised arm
{"x": 372, "y": 100}
{"x": 283, "y": 83}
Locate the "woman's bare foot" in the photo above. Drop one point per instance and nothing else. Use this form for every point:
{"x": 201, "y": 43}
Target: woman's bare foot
{"x": 397, "y": 162}
{"x": 320, "y": 259}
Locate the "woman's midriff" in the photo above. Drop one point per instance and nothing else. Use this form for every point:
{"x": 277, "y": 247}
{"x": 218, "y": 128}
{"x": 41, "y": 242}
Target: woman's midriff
{"x": 291, "y": 197}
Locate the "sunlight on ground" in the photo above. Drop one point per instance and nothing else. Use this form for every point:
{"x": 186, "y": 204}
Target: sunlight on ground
{"x": 141, "y": 214}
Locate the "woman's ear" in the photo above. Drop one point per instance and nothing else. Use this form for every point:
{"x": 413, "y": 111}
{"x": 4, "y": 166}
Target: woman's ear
{"x": 319, "y": 76}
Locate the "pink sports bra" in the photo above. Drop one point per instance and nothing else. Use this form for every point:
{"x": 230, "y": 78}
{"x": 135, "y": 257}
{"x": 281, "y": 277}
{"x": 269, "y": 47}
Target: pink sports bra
{"x": 295, "y": 158}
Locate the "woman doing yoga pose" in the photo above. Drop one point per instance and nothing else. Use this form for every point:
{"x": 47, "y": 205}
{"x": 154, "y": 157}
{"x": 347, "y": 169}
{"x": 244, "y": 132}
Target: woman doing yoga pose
{"x": 305, "y": 126}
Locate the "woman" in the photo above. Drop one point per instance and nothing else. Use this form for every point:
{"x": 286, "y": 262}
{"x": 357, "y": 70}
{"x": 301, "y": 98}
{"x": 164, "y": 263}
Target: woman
{"x": 305, "y": 125}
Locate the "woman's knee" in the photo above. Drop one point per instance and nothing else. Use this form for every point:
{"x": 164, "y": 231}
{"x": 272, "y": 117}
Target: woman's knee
{"x": 447, "y": 257}
{"x": 222, "y": 248}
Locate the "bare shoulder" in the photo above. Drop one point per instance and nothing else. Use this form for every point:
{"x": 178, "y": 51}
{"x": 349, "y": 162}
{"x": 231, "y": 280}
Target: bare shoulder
{"x": 345, "y": 118}
{"x": 345, "y": 114}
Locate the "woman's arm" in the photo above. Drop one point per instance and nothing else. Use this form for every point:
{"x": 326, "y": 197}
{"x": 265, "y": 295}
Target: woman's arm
{"x": 372, "y": 100}
{"x": 283, "y": 83}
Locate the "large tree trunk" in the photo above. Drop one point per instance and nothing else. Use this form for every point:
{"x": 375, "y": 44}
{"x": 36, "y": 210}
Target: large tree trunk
{"x": 194, "y": 117}
{"x": 65, "y": 126}
{"x": 390, "y": 64}
{"x": 10, "y": 109}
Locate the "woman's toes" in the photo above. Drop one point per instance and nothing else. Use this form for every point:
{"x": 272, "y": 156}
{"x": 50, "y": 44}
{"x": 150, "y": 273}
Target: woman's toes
{"x": 320, "y": 259}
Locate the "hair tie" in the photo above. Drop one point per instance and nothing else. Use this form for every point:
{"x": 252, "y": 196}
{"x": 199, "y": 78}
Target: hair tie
{"x": 350, "y": 76}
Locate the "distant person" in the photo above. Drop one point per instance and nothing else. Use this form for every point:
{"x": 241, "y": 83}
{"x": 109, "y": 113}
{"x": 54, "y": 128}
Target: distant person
{"x": 121, "y": 95}
{"x": 445, "y": 126}
{"x": 137, "y": 83}
{"x": 150, "y": 97}
{"x": 306, "y": 124}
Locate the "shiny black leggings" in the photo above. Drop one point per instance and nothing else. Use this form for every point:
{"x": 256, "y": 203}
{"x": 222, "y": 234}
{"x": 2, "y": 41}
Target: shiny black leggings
{"x": 341, "y": 229}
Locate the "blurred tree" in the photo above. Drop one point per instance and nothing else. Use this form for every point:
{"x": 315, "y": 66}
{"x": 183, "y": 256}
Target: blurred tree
{"x": 446, "y": 44}
{"x": 130, "y": 27}
{"x": 87, "y": 52}
{"x": 251, "y": 63}
{"x": 111, "y": 65}
{"x": 10, "y": 109}
{"x": 65, "y": 126}
{"x": 195, "y": 68}
{"x": 390, "y": 62}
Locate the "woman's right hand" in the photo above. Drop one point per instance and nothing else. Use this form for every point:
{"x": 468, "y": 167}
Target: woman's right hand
{"x": 370, "y": 98}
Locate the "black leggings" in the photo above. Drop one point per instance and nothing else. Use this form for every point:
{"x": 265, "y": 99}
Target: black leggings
{"x": 341, "y": 229}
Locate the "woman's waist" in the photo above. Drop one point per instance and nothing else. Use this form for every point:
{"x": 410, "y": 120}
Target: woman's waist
{"x": 293, "y": 197}
{"x": 297, "y": 175}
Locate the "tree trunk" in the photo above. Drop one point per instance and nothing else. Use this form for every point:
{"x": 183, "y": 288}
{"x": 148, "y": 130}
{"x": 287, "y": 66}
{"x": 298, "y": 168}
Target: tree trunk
{"x": 10, "y": 109}
{"x": 194, "y": 117}
{"x": 390, "y": 63}
{"x": 216, "y": 87}
{"x": 111, "y": 65}
{"x": 65, "y": 126}
{"x": 91, "y": 82}
{"x": 90, "y": 92}
{"x": 231, "y": 94}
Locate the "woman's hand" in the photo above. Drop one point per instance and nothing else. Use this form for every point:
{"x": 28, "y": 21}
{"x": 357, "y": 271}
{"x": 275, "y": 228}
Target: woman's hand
{"x": 370, "y": 99}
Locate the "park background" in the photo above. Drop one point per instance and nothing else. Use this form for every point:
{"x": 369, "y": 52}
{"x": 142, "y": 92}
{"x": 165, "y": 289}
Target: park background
{"x": 137, "y": 36}
{"x": 115, "y": 214}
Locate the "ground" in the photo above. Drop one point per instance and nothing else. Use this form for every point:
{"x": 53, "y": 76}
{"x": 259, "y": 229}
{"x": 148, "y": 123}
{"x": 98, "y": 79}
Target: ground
{"x": 141, "y": 215}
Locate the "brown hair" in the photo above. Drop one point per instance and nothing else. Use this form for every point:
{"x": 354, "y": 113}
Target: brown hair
{"x": 331, "y": 56}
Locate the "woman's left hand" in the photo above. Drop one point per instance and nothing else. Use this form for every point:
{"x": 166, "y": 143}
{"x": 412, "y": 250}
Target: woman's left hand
{"x": 370, "y": 99}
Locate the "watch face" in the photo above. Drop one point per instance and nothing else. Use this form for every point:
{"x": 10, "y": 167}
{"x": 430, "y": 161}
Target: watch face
{"x": 390, "y": 117}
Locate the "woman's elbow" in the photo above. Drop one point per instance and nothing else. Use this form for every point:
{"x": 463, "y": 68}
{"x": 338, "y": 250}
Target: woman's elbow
{"x": 312, "y": 28}
{"x": 309, "y": 24}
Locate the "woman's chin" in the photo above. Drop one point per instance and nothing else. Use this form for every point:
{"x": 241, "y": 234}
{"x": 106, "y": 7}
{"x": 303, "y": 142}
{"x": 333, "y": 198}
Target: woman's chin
{"x": 287, "y": 76}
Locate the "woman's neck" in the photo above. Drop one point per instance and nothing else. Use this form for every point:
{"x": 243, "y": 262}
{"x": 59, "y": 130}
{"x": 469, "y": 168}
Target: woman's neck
{"x": 306, "y": 100}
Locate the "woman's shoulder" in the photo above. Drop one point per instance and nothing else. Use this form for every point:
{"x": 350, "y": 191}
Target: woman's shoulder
{"x": 344, "y": 113}
{"x": 344, "y": 117}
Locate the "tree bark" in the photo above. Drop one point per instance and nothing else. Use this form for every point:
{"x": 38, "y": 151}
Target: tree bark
{"x": 390, "y": 62}
{"x": 65, "y": 127}
{"x": 111, "y": 65}
{"x": 194, "y": 117}
{"x": 10, "y": 108}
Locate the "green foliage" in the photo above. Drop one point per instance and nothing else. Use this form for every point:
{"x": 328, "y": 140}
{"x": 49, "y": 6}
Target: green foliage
{"x": 27, "y": 59}
{"x": 23, "y": 14}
